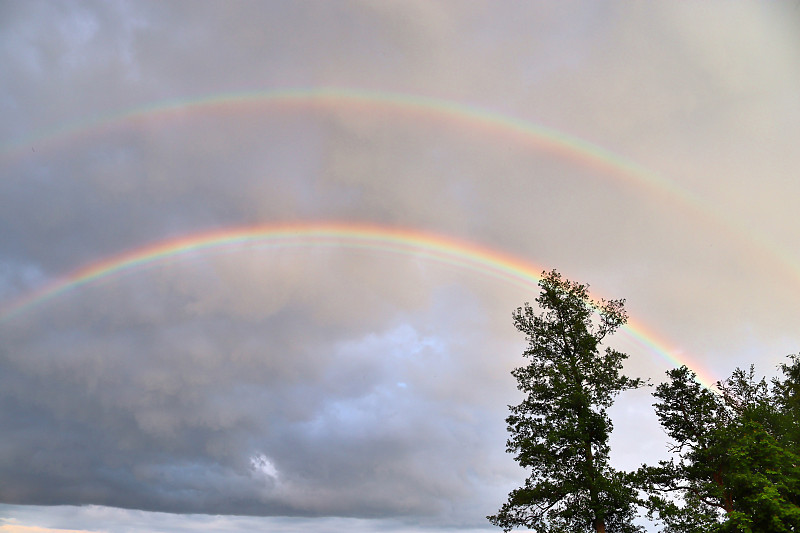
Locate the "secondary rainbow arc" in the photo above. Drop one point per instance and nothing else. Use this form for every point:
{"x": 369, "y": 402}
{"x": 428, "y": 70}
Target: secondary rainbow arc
{"x": 445, "y": 250}
{"x": 569, "y": 145}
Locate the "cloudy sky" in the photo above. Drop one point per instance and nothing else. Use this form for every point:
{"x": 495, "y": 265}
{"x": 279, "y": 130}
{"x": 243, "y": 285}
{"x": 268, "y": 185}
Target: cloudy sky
{"x": 383, "y": 181}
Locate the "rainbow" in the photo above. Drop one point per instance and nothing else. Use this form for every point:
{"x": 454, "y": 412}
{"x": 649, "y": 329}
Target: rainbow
{"x": 565, "y": 145}
{"x": 444, "y": 250}
{"x": 569, "y": 146}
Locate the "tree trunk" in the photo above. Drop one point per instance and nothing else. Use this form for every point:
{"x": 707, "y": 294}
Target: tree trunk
{"x": 599, "y": 523}
{"x": 727, "y": 499}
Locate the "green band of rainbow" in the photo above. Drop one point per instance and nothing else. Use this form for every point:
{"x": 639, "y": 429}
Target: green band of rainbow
{"x": 445, "y": 250}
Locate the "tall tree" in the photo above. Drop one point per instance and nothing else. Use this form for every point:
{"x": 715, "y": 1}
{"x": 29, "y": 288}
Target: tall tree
{"x": 738, "y": 463}
{"x": 561, "y": 429}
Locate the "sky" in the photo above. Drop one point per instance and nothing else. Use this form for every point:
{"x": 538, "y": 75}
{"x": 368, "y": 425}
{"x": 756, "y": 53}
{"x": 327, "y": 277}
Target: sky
{"x": 259, "y": 259}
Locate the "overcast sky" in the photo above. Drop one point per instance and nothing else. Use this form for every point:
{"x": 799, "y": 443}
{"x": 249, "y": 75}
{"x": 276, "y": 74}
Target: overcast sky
{"x": 647, "y": 149}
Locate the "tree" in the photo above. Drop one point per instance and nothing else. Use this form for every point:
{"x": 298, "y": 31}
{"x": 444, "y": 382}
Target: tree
{"x": 688, "y": 412}
{"x": 560, "y": 431}
{"x": 737, "y": 468}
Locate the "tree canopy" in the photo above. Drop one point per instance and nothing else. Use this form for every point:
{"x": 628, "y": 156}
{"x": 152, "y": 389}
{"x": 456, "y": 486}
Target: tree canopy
{"x": 738, "y": 466}
{"x": 560, "y": 431}
{"x": 736, "y": 449}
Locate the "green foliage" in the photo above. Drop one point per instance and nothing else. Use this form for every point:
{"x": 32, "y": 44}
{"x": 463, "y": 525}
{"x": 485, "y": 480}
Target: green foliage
{"x": 736, "y": 464}
{"x": 737, "y": 468}
{"x": 560, "y": 431}
{"x": 787, "y": 399}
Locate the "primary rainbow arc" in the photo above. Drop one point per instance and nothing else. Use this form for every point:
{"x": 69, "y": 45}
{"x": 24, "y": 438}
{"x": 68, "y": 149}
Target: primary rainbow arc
{"x": 437, "y": 248}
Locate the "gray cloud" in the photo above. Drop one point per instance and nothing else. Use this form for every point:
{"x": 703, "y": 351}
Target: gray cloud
{"x": 359, "y": 384}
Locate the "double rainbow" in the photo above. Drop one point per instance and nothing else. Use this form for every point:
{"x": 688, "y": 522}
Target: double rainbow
{"x": 581, "y": 151}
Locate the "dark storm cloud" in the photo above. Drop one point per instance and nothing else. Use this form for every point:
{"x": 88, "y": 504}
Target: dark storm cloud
{"x": 161, "y": 392}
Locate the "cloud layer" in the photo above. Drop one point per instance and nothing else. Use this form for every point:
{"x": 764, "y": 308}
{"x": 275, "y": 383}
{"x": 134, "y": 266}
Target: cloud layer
{"x": 360, "y": 384}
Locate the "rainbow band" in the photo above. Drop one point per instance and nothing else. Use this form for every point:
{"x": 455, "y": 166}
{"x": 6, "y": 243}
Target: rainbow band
{"x": 561, "y": 143}
{"x": 444, "y": 250}
{"x": 558, "y": 141}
